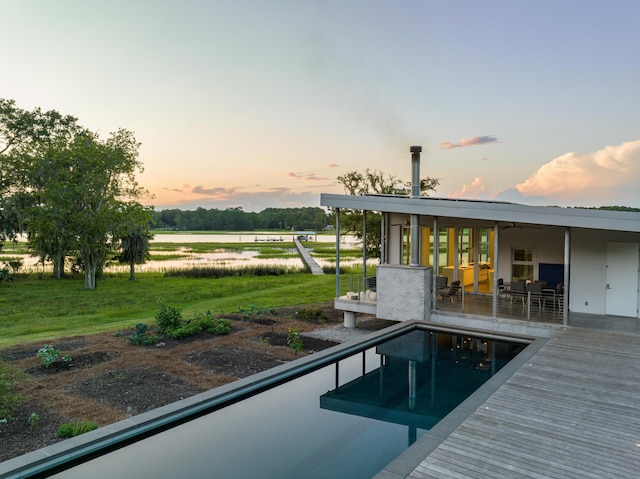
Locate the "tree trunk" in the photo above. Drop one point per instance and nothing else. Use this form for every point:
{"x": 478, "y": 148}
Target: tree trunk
{"x": 61, "y": 267}
{"x": 58, "y": 266}
{"x": 90, "y": 266}
{"x": 132, "y": 271}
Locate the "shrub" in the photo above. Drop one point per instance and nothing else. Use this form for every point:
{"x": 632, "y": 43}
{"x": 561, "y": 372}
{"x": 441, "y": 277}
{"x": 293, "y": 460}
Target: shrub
{"x": 221, "y": 272}
{"x": 73, "y": 429}
{"x": 168, "y": 317}
{"x": 254, "y": 312}
{"x": 294, "y": 340}
{"x": 9, "y": 400}
{"x": 48, "y": 355}
{"x": 213, "y": 325}
{"x": 311, "y": 314}
{"x": 179, "y": 329}
{"x": 186, "y": 329}
{"x": 222, "y": 327}
{"x": 141, "y": 336}
{"x": 33, "y": 420}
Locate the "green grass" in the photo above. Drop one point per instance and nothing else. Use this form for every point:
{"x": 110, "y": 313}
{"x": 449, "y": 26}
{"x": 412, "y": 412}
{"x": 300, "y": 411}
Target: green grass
{"x": 167, "y": 257}
{"x": 46, "y": 309}
{"x": 19, "y": 247}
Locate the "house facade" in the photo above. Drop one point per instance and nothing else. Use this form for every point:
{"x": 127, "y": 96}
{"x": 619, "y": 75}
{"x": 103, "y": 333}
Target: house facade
{"x": 563, "y": 262}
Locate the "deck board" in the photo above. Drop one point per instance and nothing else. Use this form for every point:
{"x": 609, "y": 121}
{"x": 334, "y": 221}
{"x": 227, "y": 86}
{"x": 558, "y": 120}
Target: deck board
{"x": 572, "y": 411}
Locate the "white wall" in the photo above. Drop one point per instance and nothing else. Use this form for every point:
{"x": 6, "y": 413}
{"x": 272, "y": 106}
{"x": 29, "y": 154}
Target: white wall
{"x": 588, "y": 274}
{"x": 394, "y": 231}
{"x": 546, "y": 242}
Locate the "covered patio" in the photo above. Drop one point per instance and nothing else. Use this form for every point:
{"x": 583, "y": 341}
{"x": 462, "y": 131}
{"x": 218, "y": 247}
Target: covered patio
{"x": 563, "y": 260}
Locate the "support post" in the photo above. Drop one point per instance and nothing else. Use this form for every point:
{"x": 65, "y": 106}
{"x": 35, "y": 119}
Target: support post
{"x": 436, "y": 260}
{"x": 337, "y": 252}
{"x": 495, "y": 269}
{"x": 565, "y": 289}
{"x": 364, "y": 247}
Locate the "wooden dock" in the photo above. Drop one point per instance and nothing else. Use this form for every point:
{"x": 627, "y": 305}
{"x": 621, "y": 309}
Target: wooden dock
{"x": 571, "y": 411}
{"x": 307, "y": 258}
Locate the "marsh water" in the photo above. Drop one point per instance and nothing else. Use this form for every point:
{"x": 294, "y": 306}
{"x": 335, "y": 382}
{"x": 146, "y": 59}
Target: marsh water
{"x": 184, "y": 256}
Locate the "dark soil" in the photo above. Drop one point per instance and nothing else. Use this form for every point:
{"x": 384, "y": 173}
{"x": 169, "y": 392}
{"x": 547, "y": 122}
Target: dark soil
{"x": 110, "y": 379}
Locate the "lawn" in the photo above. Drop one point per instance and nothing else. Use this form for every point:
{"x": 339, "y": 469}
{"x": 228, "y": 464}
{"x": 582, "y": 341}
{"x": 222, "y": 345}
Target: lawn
{"x": 45, "y": 309}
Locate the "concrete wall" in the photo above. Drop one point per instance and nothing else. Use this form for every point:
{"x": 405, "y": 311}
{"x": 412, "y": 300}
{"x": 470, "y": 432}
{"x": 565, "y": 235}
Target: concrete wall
{"x": 403, "y": 292}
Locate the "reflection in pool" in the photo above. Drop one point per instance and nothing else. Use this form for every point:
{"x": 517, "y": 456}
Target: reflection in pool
{"x": 349, "y": 418}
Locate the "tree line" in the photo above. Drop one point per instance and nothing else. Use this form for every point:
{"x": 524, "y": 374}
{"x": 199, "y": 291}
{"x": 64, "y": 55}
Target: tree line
{"x": 235, "y": 219}
{"x": 72, "y": 192}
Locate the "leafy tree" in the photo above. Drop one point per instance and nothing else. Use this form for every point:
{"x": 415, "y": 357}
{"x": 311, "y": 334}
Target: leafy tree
{"x": 374, "y": 182}
{"x": 84, "y": 195}
{"x": 22, "y": 133}
{"x": 234, "y": 219}
{"x": 103, "y": 185}
{"x": 70, "y": 189}
{"x": 135, "y": 236}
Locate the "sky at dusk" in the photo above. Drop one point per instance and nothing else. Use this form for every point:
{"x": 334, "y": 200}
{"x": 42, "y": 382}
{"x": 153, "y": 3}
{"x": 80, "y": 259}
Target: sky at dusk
{"x": 259, "y": 104}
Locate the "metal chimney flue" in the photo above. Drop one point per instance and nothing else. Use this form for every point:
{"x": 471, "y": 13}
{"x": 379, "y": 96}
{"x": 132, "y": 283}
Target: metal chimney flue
{"x": 415, "y": 193}
{"x": 415, "y": 170}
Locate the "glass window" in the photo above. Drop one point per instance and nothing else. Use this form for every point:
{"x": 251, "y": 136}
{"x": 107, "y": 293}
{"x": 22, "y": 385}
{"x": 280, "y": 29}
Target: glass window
{"x": 406, "y": 245}
{"x": 522, "y": 265}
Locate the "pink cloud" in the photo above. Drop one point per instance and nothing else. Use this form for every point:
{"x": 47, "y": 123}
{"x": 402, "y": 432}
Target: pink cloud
{"x": 306, "y": 176}
{"x": 599, "y": 174}
{"x": 475, "y": 140}
{"x": 469, "y": 191}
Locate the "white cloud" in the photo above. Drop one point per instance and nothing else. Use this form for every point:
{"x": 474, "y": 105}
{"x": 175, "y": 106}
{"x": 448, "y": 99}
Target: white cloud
{"x": 601, "y": 177}
{"x": 473, "y": 190}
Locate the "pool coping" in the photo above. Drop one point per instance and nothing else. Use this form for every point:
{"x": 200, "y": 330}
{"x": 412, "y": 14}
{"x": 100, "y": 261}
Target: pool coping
{"x": 65, "y": 454}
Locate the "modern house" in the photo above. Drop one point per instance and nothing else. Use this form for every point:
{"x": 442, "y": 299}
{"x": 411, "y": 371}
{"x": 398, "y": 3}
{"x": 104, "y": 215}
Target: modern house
{"x": 522, "y": 269}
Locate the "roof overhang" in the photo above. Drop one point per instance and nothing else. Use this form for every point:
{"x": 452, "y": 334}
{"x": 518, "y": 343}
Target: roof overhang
{"x": 489, "y": 211}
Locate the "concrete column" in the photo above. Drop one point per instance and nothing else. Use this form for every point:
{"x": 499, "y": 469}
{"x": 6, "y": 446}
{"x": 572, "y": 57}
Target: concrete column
{"x": 349, "y": 319}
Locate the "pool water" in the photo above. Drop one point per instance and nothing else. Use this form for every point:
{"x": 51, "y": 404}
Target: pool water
{"x": 348, "y": 419}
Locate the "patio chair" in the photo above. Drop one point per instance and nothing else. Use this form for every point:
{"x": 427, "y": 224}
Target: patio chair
{"x": 518, "y": 290}
{"x": 370, "y": 283}
{"x": 559, "y": 296}
{"x": 503, "y": 289}
{"x": 370, "y": 286}
{"x": 535, "y": 289}
{"x": 450, "y": 292}
{"x": 441, "y": 282}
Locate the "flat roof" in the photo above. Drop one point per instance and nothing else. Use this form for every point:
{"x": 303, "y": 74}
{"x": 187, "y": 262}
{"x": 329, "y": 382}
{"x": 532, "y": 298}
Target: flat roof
{"x": 490, "y": 211}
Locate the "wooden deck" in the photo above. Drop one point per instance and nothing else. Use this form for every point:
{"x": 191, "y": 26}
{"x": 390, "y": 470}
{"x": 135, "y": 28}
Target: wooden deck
{"x": 570, "y": 411}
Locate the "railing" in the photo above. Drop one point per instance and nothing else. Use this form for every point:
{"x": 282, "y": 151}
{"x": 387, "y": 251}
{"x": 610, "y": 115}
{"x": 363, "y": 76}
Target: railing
{"x": 355, "y": 287}
{"x": 527, "y": 306}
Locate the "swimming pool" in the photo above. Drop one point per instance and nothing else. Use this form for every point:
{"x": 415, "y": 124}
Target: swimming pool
{"x": 344, "y": 412}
